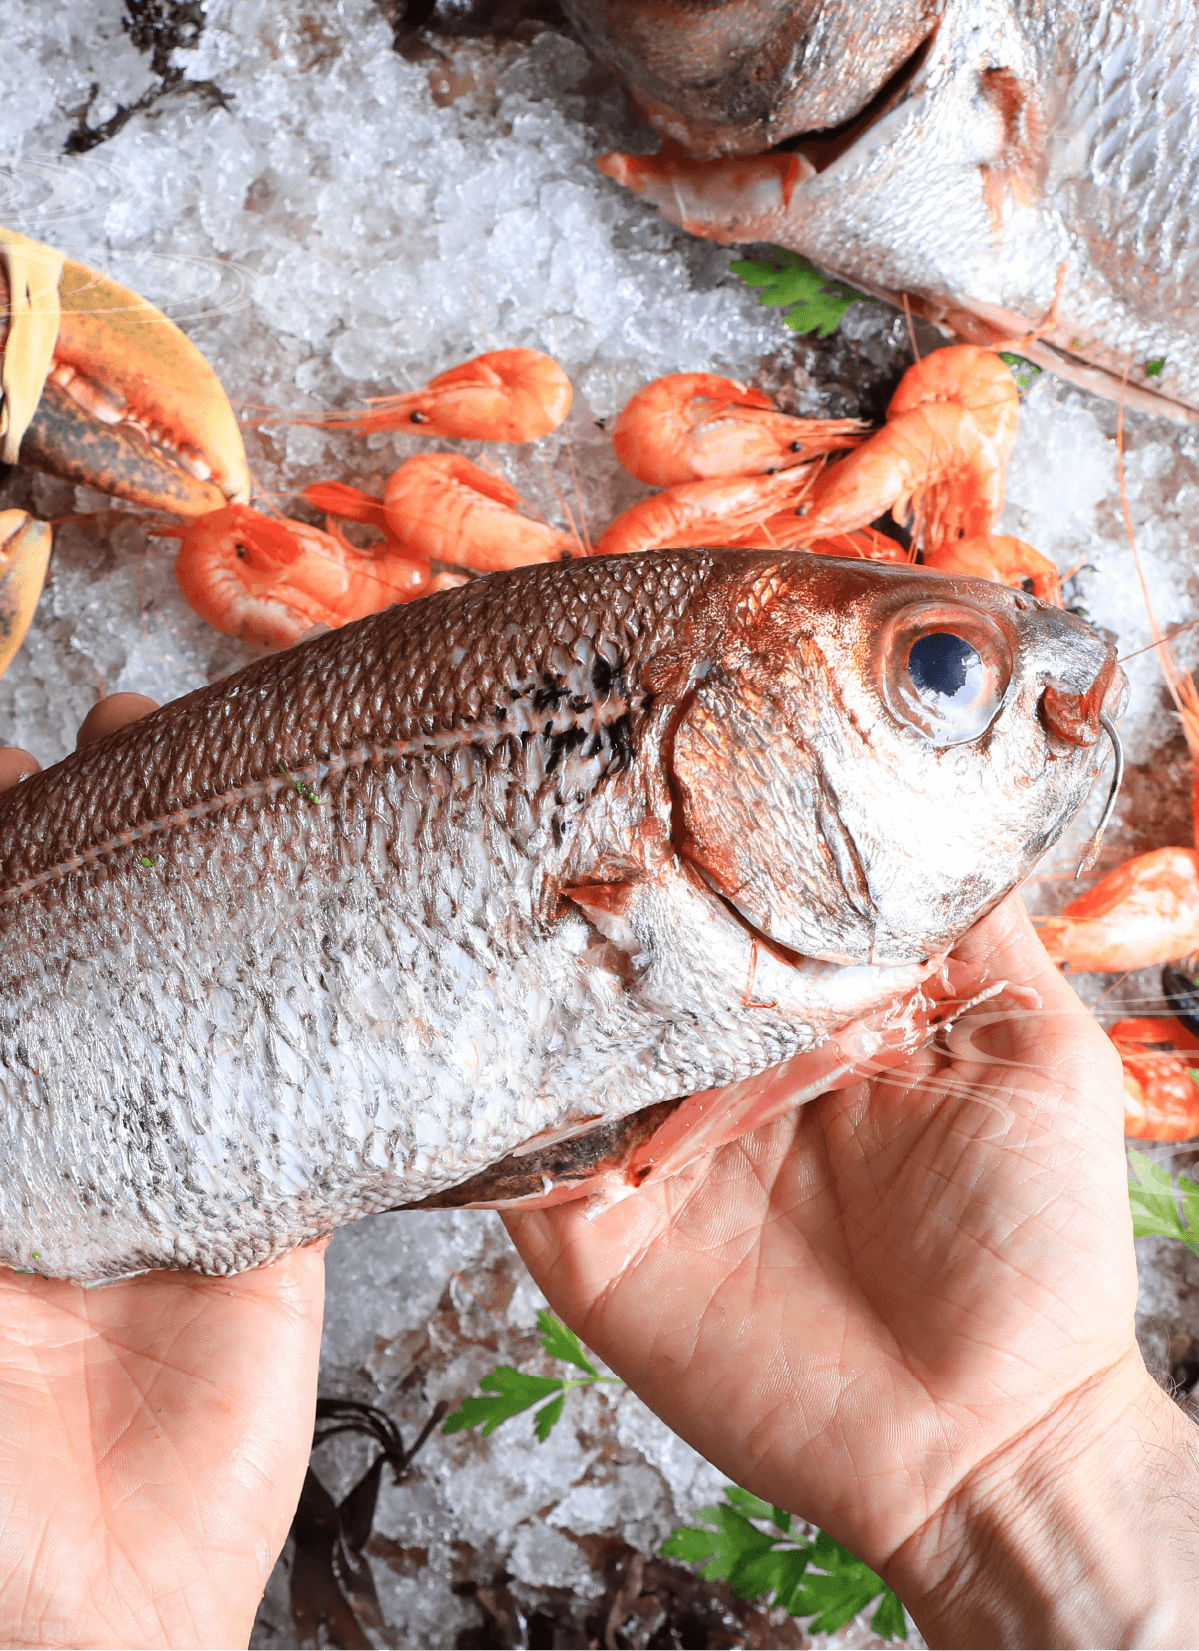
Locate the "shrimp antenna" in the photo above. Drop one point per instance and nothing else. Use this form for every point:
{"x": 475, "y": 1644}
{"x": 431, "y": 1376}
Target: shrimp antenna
{"x": 1091, "y": 853}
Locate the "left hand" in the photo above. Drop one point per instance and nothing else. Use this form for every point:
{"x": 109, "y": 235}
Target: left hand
{"x": 154, "y": 1432}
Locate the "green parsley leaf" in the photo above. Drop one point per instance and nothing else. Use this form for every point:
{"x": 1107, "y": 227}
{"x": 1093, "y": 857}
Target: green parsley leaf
{"x": 819, "y": 1579}
{"x": 846, "y": 1586}
{"x": 731, "y": 1542}
{"x": 1155, "y": 1202}
{"x": 1153, "y": 369}
{"x": 812, "y": 302}
{"x": 548, "y": 1415}
{"x": 888, "y": 1620}
{"x": 1025, "y": 372}
{"x": 561, "y": 1343}
{"x": 753, "y": 1507}
{"x": 513, "y": 1393}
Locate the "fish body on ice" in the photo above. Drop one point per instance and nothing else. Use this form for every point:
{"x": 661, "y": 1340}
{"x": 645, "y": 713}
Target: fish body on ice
{"x": 509, "y": 864}
{"x": 962, "y": 152}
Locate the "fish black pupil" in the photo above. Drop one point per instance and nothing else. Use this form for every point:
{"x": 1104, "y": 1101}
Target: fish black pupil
{"x": 942, "y": 664}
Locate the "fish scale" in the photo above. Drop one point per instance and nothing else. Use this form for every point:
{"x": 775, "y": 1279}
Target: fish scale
{"x": 346, "y": 930}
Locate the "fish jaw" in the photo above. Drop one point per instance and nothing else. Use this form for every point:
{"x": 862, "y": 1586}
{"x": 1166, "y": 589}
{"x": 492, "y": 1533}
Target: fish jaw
{"x": 993, "y": 194}
{"x": 24, "y": 557}
{"x": 130, "y": 407}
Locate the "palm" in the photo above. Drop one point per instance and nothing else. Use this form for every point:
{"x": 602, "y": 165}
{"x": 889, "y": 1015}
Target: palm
{"x": 852, "y": 1307}
{"x": 153, "y": 1440}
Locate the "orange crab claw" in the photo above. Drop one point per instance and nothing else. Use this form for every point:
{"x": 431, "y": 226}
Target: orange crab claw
{"x": 125, "y": 403}
{"x": 24, "y": 555}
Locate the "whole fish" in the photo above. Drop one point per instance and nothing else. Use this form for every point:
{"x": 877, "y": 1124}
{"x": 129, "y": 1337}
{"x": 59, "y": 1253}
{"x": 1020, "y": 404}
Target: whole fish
{"x": 1000, "y": 162}
{"x": 497, "y": 868}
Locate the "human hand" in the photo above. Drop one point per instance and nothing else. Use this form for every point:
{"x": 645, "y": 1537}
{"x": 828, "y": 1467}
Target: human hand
{"x": 905, "y": 1312}
{"x": 154, "y": 1432}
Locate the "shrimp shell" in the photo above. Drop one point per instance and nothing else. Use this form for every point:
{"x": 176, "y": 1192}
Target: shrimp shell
{"x": 504, "y": 395}
{"x": 696, "y": 426}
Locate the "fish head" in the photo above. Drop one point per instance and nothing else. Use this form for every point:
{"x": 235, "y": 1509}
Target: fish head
{"x": 874, "y": 756}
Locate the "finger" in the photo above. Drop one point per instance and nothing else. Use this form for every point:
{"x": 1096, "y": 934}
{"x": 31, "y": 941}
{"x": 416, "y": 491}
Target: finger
{"x": 109, "y": 714}
{"x": 15, "y": 764}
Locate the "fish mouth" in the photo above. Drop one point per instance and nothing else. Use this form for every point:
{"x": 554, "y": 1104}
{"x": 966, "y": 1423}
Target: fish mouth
{"x": 121, "y": 401}
{"x": 821, "y": 147}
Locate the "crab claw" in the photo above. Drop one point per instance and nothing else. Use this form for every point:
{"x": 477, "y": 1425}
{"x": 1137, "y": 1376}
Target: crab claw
{"x": 24, "y": 554}
{"x": 100, "y": 388}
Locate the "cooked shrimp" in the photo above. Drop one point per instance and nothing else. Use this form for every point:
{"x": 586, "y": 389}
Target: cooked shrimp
{"x": 970, "y": 377}
{"x": 1161, "y": 1099}
{"x": 442, "y": 505}
{"x": 865, "y": 543}
{"x": 933, "y": 462}
{"x": 1006, "y": 560}
{"x": 727, "y": 511}
{"x": 505, "y": 395}
{"x": 1145, "y": 912}
{"x": 695, "y": 426}
{"x": 270, "y": 581}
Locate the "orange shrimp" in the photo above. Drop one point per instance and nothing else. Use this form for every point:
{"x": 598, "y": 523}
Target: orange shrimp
{"x": 442, "y": 505}
{"x": 968, "y": 376}
{"x": 504, "y": 395}
{"x": 270, "y": 581}
{"x": 695, "y": 426}
{"x": 1006, "y": 560}
{"x": 1143, "y": 913}
{"x": 864, "y": 544}
{"x": 727, "y": 511}
{"x": 940, "y": 457}
{"x": 932, "y": 462}
{"x": 1161, "y": 1099}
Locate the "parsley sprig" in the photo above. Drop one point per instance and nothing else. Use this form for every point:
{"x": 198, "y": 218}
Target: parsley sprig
{"x": 506, "y": 1392}
{"x": 813, "y": 302}
{"x": 809, "y": 1577}
{"x": 1155, "y": 1197}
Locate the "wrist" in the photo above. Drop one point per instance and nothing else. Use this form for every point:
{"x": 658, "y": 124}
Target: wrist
{"x": 1082, "y": 1531}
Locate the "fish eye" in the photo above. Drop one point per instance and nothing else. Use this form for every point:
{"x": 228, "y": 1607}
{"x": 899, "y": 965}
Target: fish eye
{"x": 944, "y": 670}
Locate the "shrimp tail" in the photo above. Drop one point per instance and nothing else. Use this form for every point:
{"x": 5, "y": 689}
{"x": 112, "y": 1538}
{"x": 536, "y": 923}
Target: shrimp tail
{"x": 349, "y": 503}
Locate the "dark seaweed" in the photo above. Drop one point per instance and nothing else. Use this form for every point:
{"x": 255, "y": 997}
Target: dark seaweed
{"x": 156, "y": 27}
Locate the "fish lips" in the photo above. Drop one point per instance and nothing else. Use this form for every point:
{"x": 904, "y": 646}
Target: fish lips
{"x": 890, "y": 756}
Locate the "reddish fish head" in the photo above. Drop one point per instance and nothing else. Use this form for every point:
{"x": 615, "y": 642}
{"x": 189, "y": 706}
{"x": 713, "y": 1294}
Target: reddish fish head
{"x": 876, "y": 756}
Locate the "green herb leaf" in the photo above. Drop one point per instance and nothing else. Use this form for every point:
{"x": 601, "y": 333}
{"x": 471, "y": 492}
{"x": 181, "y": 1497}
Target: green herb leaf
{"x": 512, "y": 1394}
{"x": 1025, "y": 372}
{"x": 1153, "y": 369}
{"x": 888, "y": 1620}
{"x": 1155, "y": 1201}
{"x": 753, "y": 1506}
{"x": 561, "y": 1343}
{"x": 729, "y": 1542}
{"x": 812, "y": 302}
{"x": 548, "y": 1415}
{"x": 818, "y": 1579}
{"x": 846, "y": 1586}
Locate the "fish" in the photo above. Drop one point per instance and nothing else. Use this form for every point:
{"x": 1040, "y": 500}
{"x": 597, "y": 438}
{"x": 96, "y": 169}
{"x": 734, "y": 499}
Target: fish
{"x": 1009, "y": 167}
{"x": 507, "y": 868}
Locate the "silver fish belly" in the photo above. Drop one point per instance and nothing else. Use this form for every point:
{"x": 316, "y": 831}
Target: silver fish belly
{"x": 1024, "y": 139}
{"x": 342, "y": 931}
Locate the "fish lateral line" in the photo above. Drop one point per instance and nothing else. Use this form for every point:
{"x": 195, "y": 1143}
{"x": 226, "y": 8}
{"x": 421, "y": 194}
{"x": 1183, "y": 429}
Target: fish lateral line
{"x": 366, "y": 755}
